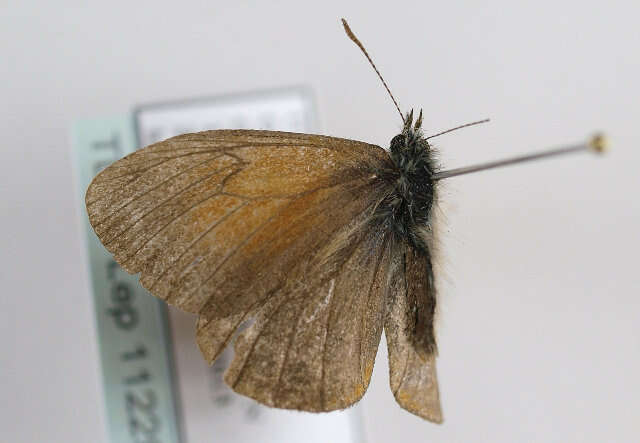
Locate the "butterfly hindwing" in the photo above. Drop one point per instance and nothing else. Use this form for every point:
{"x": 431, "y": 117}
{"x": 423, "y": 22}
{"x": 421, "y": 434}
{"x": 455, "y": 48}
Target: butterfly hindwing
{"x": 313, "y": 344}
{"x": 409, "y": 332}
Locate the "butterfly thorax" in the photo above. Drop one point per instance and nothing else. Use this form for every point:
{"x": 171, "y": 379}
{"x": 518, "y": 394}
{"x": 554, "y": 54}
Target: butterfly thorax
{"x": 407, "y": 208}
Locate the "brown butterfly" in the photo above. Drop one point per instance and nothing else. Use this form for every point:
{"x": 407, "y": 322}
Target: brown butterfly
{"x": 321, "y": 241}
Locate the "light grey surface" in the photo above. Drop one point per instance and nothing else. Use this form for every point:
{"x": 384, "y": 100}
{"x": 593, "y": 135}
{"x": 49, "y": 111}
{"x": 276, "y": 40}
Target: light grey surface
{"x": 539, "y": 333}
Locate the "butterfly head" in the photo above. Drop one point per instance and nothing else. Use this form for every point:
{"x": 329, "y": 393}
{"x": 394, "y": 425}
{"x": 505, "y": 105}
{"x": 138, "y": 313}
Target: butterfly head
{"x": 410, "y": 151}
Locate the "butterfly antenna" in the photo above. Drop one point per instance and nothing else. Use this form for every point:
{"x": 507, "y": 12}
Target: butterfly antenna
{"x": 353, "y": 37}
{"x": 466, "y": 125}
{"x": 596, "y": 144}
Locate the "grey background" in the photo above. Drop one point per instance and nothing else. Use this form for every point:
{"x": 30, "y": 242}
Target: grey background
{"x": 539, "y": 335}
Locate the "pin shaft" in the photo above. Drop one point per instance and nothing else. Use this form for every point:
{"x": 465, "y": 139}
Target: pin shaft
{"x": 596, "y": 144}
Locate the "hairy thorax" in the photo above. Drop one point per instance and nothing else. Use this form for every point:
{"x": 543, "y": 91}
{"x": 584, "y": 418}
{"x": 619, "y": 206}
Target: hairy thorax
{"x": 407, "y": 209}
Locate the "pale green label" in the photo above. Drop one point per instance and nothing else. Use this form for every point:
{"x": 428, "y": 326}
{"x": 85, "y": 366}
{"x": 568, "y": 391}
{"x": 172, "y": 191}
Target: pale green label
{"x": 131, "y": 326}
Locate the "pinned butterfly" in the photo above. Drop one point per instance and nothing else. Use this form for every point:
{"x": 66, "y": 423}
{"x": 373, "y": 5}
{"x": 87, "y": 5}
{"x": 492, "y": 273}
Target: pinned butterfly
{"x": 323, "y": 242}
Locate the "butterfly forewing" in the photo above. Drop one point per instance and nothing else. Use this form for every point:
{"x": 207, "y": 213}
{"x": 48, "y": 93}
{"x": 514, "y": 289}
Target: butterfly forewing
{"x": 176, "y": 209}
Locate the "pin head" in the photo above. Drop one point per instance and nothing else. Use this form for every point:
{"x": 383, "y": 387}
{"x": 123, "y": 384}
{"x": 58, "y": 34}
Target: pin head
{"x": 599, "y": 143}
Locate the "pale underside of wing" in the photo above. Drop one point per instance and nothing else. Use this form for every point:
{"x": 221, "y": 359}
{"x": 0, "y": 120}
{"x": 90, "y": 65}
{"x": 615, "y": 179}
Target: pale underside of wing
{"x": 273, "y": 226}
{"x": 412, "y": 370}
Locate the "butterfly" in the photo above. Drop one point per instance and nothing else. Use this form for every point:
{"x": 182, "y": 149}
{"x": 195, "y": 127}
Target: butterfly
{"x": 317, "y": 243}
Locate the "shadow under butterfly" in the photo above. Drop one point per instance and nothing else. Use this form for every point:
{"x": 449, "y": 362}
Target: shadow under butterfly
{"x": 323, "y": 242}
